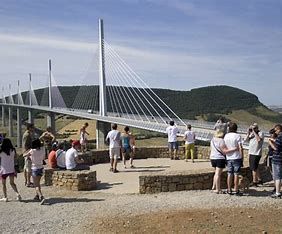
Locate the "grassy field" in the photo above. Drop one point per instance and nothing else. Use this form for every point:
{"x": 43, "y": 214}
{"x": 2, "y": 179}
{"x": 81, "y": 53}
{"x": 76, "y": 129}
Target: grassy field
{"x": 246, "y": 118}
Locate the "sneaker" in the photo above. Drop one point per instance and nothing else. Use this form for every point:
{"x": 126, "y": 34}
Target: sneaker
{"x": 186, "y": 160}
{"x": 276, "y": 196}
{"x": 124, "y": 167}
{"x": 115, "y": 171}
{"x": 132, "y": 166}
{"x": 19, "y": 198}
{"x": 36, "y": 198}
{"x": 176, "y": 158}
{"x": 111, "y": 169}
{"x": 260, "y": 182}
{"x": 171, "y": 158}
{"x": 4, "y": 199}
{"x": 42, "y": 200}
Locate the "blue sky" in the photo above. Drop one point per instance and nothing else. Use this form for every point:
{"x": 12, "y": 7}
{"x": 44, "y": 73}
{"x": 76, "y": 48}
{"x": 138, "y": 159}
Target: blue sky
{"x": 174, "y": 44}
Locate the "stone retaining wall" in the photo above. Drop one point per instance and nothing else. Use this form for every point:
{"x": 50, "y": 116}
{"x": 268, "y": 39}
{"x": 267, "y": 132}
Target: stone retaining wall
{"x": 188, "y": 180}
{"x": 102, "y": 156}
{"x": 71, "y": 180}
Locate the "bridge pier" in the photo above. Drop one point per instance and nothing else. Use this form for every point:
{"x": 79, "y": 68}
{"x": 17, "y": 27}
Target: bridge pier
{"x": 30, "y": 117}
{"x": 51, "y": 121}
{"x": 19, "y": 127}
{"x": 102, "y": 129}
{"x": 10, "y": 122}
{"x": 3, "y": 117}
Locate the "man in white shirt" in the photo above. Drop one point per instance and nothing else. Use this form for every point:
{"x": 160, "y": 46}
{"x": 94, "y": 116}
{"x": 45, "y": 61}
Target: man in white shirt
{"x": 172, "y": 131}
{"x": 255, "y": 140}
{"x": 234, "y": 159}
{"x": 73, "y": 162}
{"x": 189, "y": 137}
{"x": 114, "y": 150}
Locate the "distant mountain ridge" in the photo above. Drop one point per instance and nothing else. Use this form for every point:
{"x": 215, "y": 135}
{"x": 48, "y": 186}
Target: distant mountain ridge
{"x": 209, "y": 101}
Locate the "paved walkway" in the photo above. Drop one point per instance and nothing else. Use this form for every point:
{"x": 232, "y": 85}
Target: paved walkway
{"x": 127, "y": 180}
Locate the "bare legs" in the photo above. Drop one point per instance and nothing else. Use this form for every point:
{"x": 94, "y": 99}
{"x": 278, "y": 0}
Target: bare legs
{"x": 36, "y": 181}
{"x": 229, "y": 182}
{"x": 217, "y": 179}
{"x": 13, "y": 185}
{"x": 277, "y": 186}
{"x": 256, "y": 176}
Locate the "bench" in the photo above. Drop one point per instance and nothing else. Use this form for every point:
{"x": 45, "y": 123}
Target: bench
{"x": 71, "y": 180}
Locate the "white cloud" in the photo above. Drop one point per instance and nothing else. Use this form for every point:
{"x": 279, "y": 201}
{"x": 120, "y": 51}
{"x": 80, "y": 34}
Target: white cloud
{"x": 48, "y": 42}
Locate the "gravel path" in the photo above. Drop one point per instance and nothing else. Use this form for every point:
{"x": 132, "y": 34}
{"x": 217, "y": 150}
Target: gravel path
{"x": 66, "y": 212}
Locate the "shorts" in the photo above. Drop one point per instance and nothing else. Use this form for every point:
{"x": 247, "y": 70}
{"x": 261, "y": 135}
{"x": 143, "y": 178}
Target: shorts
{"x": 126, "y": 150}
{"x": 277, "y": 171}
{"x": 219, "y": 163}
{"x": 114, "y": 153}
{"x": 254, "y": 161}
{"x": 173, "y": 145}
{"x": 4, "y": 176}
{"x": 37, "y": 172}
{"x": 27, "y": 165}
{"x": 234, "y": 166}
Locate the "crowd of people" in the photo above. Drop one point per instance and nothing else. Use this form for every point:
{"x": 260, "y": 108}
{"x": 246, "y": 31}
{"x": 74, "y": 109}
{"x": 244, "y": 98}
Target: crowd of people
{"x": 226, "y": 150}
{"x": 36, "y": 149}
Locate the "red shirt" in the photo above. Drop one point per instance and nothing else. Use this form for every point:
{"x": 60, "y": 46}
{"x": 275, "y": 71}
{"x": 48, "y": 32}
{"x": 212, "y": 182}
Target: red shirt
{"x": 52, "y": 161}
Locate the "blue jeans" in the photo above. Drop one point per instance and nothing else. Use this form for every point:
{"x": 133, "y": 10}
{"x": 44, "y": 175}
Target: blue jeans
{"x": 277, "y": 171}
{"x": 173, "y": 145}
{"x": 234, "y": 166}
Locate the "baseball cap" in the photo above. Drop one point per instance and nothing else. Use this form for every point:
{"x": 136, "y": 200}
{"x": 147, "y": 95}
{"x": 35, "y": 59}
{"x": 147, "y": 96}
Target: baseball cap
{"x": 75, "y": 143}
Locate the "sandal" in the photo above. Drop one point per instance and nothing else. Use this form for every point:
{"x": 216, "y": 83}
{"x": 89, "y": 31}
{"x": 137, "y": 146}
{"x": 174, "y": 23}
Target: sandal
{"x": 229, "y": 192}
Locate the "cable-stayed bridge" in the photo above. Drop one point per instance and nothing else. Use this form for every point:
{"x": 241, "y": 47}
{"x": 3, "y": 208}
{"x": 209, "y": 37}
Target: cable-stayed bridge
{"x": 114, "y": 94}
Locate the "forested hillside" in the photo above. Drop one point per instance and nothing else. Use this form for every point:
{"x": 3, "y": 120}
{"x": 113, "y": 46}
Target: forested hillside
{"x": 209, "y": 101}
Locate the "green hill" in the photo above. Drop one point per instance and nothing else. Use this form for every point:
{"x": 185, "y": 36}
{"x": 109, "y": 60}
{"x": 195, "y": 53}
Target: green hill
{"x": 207, "y": 102}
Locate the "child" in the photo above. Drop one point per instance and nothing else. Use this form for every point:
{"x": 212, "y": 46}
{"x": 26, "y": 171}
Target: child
{"x": 7, "y": 155}
{"x": 37, "y": 155}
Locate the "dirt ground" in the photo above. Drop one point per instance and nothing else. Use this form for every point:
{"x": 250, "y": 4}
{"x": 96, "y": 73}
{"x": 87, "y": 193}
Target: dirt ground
{"x": 235, "y": 220}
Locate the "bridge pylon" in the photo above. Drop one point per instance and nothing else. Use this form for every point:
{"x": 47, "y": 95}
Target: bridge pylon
{"x": 102, "y": 77}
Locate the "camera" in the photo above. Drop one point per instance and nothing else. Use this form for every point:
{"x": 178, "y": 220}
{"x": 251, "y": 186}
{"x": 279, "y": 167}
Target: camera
{"x": 271, "y": 131}
{"x": 250, "y": 129}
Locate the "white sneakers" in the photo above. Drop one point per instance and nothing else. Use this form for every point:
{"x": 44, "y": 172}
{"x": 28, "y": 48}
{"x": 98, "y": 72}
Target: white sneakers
{"x": 5, "y": 199}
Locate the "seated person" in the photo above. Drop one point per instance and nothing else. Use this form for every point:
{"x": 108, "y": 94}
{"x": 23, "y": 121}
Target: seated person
{"x": 61, "y": 156}
{"x": 52, "y": 161}
{"x": 73, "y": 162}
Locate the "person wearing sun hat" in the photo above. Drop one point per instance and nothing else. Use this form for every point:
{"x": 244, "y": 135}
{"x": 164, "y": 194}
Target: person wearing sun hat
{"x": 73, "y": 162}
{"x": 255, "y": 139}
